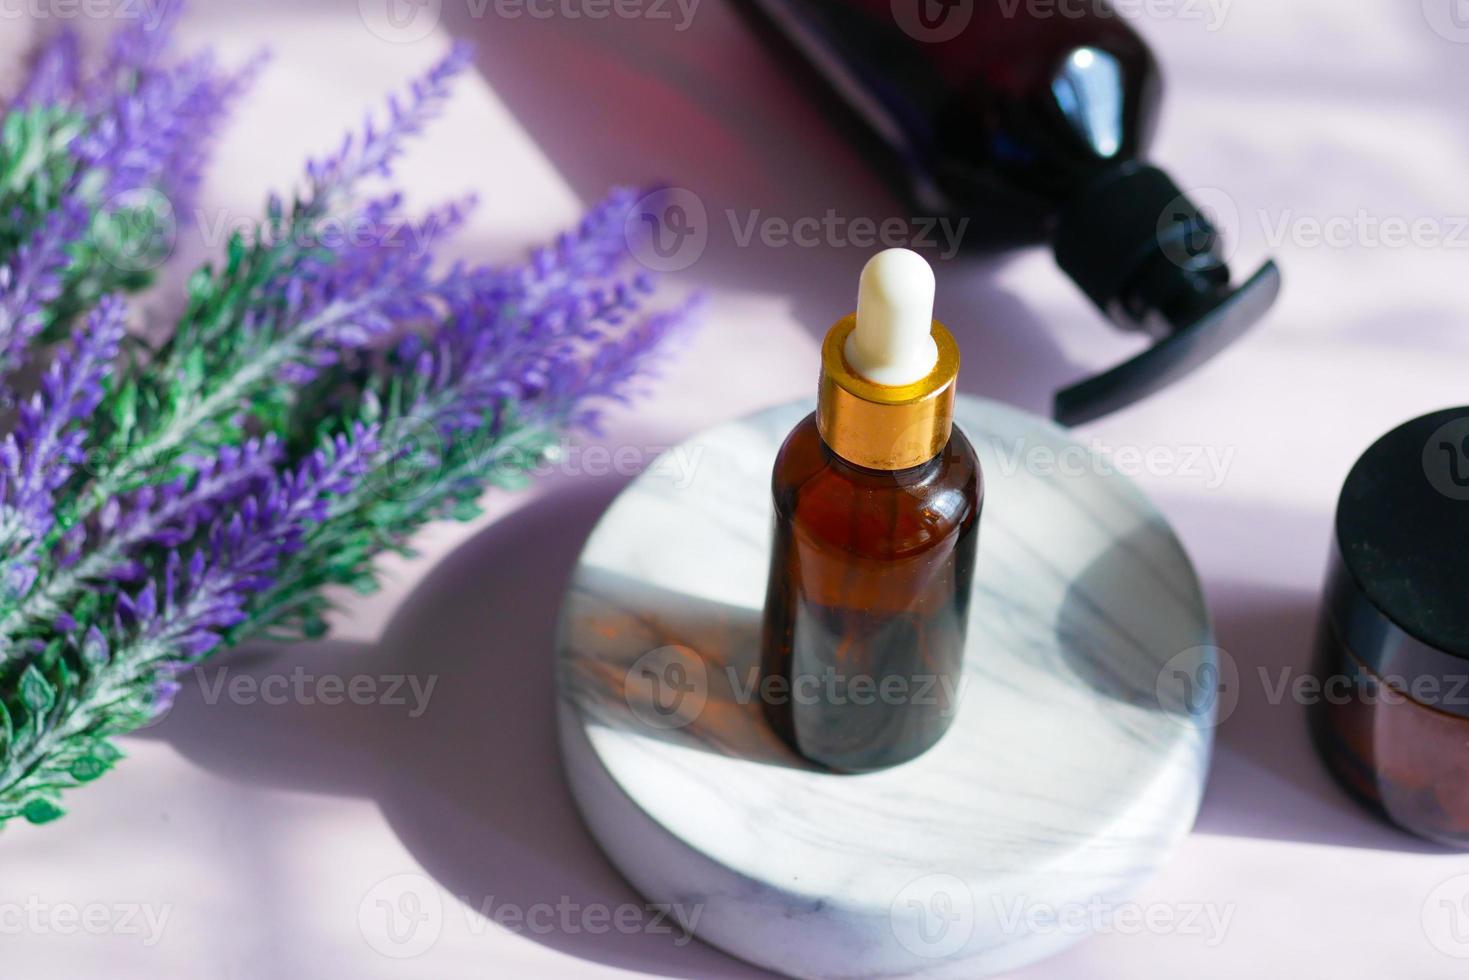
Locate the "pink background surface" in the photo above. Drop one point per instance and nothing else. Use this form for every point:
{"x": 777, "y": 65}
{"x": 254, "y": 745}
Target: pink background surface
{"x": 265, "y": 829}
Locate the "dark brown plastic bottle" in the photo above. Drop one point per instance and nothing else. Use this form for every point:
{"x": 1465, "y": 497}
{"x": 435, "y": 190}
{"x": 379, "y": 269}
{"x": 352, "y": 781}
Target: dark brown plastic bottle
{"x": 1034, "y": 121}
{"x": 877, "y": 506}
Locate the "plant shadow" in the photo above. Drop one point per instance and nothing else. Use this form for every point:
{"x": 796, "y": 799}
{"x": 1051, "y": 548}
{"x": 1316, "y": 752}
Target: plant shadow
{"x": 468, "y": 776}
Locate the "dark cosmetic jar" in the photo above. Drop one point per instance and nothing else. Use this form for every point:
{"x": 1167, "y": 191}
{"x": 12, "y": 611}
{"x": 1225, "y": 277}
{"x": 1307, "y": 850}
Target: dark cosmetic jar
{"x": 1392, "y": 648}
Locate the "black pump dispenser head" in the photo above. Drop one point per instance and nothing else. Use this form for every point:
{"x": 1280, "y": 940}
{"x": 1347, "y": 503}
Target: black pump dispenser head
{"x": 1038, "y": 127}
{"x": 1151, "y": 260}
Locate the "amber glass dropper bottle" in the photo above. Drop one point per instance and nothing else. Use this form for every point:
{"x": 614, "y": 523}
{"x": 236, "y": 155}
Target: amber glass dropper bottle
{"x": 877, "y": 504}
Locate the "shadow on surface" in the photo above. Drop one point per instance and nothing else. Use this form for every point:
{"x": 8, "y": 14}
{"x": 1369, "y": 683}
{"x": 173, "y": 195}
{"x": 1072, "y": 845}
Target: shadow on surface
{"x": 711, "y": 109}
{"x": 473, "y": 785}
{"x": 670, "y": 666}
{"x": 1267, "y": 780}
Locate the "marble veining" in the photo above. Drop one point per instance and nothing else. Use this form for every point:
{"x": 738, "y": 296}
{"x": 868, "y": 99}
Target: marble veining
{"x": 1073, "y": 768}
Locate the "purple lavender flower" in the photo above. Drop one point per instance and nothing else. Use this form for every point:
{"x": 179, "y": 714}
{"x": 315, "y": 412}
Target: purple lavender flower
{"x": 178, "y": 620}
{"x": 41, "y": 453}
{"x": 169, "y": 515}
{"x": 575, "y": 390}
{"x": 31, "y": 281}
{"x": 374, "y": 152}
{"x": 323, "y": 297}
{"x": 187, "y": 503}
{"x": 135, "y": 50}
{"x": 147, "y": 128}
{"x": 55, "y": 75}
{"x": 157, "y": 133}
{"x": 548, "y": 337}
{"x": 127, "y": 669}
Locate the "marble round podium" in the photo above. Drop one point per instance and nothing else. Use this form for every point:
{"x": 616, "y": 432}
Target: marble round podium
{"x": 1074, "y": 765}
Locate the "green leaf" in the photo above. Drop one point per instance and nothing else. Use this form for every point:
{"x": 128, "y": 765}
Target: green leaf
{"x": 201, "y": 286}
{"x": 467, "y": 511}
{"x": 508, "y": 479}
{"x": 88, "y": 768}
{"x": 40, "y": 809}
{"x": 125, "y": 412}
{"x": 36, "y": 693}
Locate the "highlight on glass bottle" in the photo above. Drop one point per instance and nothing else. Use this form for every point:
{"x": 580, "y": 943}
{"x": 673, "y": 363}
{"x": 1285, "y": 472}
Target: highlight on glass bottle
{"x": 877, "y": 504}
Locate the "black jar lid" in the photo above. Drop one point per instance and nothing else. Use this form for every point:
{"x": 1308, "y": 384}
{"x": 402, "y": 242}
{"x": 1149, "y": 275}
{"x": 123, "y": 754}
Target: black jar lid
{"x": 1400, "y": 591}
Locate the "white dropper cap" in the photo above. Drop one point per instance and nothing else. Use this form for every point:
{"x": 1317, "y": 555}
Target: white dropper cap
{"x": 892, "y": 343}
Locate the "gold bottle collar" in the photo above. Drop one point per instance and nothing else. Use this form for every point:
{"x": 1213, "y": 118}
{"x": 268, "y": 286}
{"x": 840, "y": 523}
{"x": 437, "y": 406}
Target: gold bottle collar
{"x": 885, "y": 427}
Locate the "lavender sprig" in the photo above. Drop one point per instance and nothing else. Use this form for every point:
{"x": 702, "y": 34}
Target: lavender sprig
{"x": 281, "y": 311}
{"x": 85, "y": 169}
{"x": 373, "y": 152}
{"x": 56, "y": 73}
{"x": 134, "y": 51}
{"x": 122, "y": 667}
{"x": 196, "y": 449}
{"x": 31, "y": 282}
{"x": 40, "y": 455}
{"x": 479, "y": 401}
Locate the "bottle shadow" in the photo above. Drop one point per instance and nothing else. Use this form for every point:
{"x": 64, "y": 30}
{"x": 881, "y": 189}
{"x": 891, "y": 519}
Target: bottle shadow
{"x": 667, "y": 666}
{"x": 1268, "y": 780}
{"x": 1265, "y": 779}
{"x": 712, "y": 109}
{"x": 464, "y": 765}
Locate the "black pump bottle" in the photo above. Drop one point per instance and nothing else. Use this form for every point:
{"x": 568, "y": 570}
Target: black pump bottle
{"x": 1035, "y": 120}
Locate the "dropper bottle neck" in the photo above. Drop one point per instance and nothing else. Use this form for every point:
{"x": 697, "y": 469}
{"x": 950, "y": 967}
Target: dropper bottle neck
{"x": 888, "y": 372}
